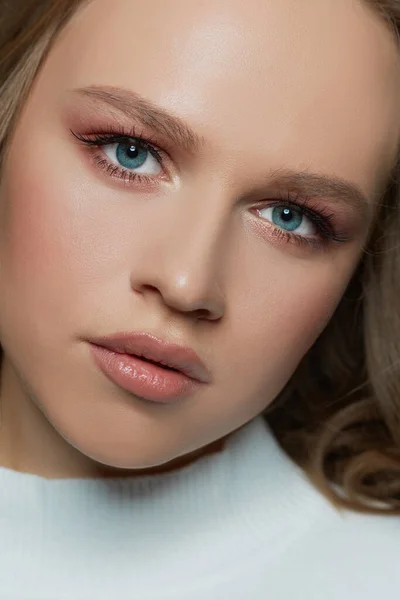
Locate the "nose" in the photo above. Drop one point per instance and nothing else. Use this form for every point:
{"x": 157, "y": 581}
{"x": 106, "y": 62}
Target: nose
{"x": 181, "y": 261}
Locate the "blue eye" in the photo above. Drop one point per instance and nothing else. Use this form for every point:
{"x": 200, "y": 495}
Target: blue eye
{"x": 133, "y": 156}
{"x": 287, "y": 218}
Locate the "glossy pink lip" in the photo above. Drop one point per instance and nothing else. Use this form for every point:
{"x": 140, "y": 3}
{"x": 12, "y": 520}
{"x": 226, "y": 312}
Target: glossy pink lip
{"x": 149, "y": 347}
{"x": 148, "y": 367}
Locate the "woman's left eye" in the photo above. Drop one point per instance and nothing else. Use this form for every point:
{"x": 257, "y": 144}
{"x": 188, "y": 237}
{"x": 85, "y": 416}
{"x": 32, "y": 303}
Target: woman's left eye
{"x": 290, "y": 219}
{"x": 133, "y": 156}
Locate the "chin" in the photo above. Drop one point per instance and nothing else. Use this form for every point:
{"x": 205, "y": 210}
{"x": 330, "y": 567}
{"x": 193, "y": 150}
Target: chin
{"x": 123, "y": 456}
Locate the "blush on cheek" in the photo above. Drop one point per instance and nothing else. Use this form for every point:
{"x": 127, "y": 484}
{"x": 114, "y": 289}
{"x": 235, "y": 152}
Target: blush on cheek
{"x": 301, "y": 325}
{"x": 298, "y": 311}
{"x": 34, "y": 251}
{"x": 306, "y": 315}
{"x": 31, "y": 245}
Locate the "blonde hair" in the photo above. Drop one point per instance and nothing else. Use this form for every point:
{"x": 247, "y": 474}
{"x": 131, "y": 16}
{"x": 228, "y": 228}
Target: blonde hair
{"x": 339, "y": 416}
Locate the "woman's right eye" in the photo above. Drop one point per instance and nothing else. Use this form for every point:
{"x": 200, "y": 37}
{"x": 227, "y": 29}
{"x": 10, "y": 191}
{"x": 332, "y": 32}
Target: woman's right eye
{"x": 133, "y": 156}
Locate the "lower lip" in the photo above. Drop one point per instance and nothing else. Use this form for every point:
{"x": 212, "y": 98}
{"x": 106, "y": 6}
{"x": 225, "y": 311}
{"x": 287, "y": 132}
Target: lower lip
{"x": 142, "y": 378}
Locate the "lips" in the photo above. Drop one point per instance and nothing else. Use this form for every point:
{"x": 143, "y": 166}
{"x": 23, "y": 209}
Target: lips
{"x": 150, "y": 348}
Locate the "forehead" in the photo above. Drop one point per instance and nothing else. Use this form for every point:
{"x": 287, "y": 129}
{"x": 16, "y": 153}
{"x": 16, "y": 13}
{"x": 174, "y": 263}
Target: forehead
{"x": 308, "y": 84}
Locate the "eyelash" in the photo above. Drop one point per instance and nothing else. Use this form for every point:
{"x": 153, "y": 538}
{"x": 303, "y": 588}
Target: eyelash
{"x": 113, "y": 137}
{"x": 321, "y": 217}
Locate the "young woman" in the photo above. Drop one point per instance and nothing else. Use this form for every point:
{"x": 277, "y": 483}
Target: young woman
{"x": 200, "y": 299}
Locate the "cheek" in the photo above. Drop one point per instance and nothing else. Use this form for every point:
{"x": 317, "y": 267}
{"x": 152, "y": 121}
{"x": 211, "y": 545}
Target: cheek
{"x": 53, "y": 246}
{"x": 280, "y": 312}
{"x": 33, "y": 234}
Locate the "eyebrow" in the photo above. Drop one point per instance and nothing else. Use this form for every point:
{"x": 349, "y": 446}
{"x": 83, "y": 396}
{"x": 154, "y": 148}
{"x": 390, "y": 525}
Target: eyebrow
{"x": 304, "y": 183}
{"x": 134, "y": 106}
{"x": 328, "y": 187}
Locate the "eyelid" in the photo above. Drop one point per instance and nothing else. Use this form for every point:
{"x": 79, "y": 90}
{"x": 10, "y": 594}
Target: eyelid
{"x": 106, "y": 140}
{"x": 320, "y": 216}
{"x": 104, "y": 124}
{"x": 107, "y": 135}
{"x": 328, "y": 230}
{"x": 110, "y": 171}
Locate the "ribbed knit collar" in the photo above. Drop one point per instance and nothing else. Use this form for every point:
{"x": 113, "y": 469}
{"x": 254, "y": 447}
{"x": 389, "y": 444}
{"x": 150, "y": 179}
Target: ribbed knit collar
{"x": 155, "y": 529}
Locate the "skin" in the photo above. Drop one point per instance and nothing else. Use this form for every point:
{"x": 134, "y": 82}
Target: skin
{"x": 310, "y": 87}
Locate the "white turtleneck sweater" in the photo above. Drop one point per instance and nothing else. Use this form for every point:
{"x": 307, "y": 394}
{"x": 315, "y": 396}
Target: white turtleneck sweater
{"x": 244, "y": 524}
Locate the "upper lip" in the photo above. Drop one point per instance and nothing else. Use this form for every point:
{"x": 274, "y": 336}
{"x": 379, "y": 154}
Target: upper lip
{"x": 150, "y": 347}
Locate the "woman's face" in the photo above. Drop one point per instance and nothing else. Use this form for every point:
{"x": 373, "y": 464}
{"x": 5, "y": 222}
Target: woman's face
{"x": 233, "y": 229}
